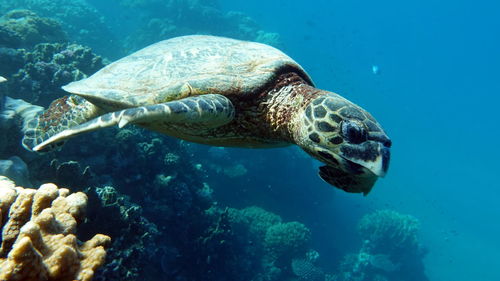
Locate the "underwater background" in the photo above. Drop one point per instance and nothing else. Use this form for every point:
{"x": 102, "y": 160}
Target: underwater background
{"x": 427, "y": 70}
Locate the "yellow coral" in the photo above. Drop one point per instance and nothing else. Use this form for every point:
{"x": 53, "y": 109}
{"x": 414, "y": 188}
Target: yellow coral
{"x": 38, "y": 240}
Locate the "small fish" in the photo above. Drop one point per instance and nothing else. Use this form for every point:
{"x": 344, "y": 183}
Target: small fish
{"x": 375, "y": 69}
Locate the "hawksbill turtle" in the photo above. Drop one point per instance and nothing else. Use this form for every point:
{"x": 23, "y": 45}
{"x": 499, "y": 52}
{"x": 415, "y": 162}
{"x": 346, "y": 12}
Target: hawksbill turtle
{"x": 222, "y": 92}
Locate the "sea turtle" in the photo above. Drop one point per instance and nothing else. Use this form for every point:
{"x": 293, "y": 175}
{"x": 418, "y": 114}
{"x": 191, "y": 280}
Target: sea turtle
{"x": 223, "y": 92}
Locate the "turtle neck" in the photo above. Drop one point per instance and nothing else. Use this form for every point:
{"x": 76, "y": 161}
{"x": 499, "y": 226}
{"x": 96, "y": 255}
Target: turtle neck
{"x": 282, "y": 104}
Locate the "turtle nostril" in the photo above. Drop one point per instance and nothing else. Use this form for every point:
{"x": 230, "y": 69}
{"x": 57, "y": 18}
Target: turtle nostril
{"x": 381, "y": 138}
{"x": 387, "y": 143}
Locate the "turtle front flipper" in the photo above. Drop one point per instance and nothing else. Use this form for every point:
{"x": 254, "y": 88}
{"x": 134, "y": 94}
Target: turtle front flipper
{"x": 62, "y": 114}
{"x": 208, "y": 111}
{"x": 353, "y": 183}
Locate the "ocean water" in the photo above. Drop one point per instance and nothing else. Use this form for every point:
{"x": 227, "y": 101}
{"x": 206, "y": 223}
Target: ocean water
{"x": 427, "y": 70}
{"x": 436, "y": 95}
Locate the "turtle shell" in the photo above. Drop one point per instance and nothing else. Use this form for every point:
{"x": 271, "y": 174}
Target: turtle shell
{"x": 184, "y": 66}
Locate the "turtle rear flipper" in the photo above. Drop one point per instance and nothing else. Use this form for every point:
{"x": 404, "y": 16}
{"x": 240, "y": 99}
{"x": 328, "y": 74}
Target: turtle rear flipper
{"x": 62, "y": 114}
{"x": 209, "y": 110}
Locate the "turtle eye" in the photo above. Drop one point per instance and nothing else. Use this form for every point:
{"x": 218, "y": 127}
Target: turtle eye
{"x": 353, "y": 132}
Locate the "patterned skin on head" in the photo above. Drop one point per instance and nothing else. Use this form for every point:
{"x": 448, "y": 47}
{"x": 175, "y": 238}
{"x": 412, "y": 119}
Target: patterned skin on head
{"x": 346, "y": 138}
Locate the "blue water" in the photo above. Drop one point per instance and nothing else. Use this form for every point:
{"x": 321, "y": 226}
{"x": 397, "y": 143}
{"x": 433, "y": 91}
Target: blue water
{"x": 436, "y": 95}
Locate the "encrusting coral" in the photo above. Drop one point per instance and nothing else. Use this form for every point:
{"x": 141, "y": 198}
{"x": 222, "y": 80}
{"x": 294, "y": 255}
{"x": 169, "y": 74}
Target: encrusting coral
{"x": 38, "y": 235}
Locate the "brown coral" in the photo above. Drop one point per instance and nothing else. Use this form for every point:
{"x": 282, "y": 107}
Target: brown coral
{"x": 38, "y": 235}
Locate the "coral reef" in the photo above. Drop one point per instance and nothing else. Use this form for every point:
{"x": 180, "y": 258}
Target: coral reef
{"x": 390, "y": 249}
{"x": 46, "y": 68}
{"x": 287, "y": 240}
{"x": 165, "y": 19}
{"x": 268, "y": 245}
{"x": 224, "y": 243}
{"x": 135, "y": 252}
{"x": 81, "y": 21}
{"x": 157, "y": 20}
{"x": 390, "y": 232}
{"x": 65, "y": 173}
{"x": 156, "y": 196}
{"x": 24, "y": 29}
{"x": 259, "y": 221}
{"x": 38, "y": 235}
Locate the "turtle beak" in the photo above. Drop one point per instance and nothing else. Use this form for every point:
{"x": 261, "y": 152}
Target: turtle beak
{"x": 372, "y": 155}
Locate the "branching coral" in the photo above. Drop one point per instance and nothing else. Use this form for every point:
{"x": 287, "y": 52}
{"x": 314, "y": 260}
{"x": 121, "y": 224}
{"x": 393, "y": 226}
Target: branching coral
{"x": 38, "y": 235}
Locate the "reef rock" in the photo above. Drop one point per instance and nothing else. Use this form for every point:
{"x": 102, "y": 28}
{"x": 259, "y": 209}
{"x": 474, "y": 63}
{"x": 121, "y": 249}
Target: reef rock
{"x": 11, "y": 60}
{"x": 38, "y": 235}
{"x": 15, "y": 169}
{"x": 13, "y": 113}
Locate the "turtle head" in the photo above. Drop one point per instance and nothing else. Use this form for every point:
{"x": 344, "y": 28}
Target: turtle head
{"x": 347, "y": 139}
